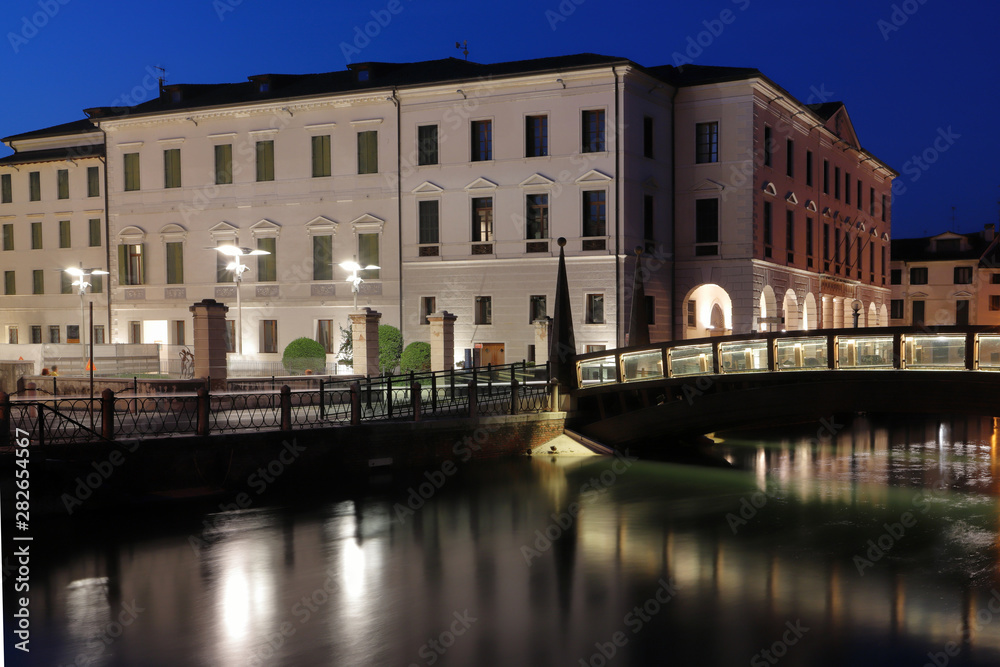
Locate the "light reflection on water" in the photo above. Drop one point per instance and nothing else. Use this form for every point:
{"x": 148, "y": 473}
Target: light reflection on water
{"x": 365, "y": 581}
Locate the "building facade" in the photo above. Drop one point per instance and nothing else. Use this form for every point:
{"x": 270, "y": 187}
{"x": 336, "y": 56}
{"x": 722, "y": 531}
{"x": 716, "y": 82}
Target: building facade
{"x": 456, "y": 179}
{"x": 946, "y": 279}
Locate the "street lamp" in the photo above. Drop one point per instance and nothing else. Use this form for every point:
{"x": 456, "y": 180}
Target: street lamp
{"x": 856, "y": 307}
{"x": 356, "y": 280}
{"x": 81, "y": 283}
{"x": 238, "y": 268}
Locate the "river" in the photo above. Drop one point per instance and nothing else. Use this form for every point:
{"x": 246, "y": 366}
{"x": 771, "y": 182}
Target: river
{"x": 870, "y": 542}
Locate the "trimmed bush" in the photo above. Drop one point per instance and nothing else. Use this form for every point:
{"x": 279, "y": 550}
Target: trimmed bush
{"x": 416, "y": 357}
{"x": 304, "y": 354}
{"x": 390, "y": 347}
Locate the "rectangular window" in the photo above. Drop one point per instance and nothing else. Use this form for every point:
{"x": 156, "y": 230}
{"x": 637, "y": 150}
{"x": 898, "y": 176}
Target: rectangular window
{"x": 265, "y": 160}
{"x": 321, "y": 156}
{"x": 859, "y": 201}
{"x": 537, "y": 216}
{"x": 537, "y": 307}
{"x": 322, "y": 257}
{"x": 36, "y": 236}
{"x": 12, "y": 335}
{"x": 223, "y": 164}
{"x": 131, "y": 264}
{"x": 647, "y": 136}
{"x": 881, "y": 250}
{"x": 34, "y": 186}
{"x": 8, "y": 236}
{"x": 96, "y": 284}
{"x": 172, "y": 168}
{"x": 896, "y": 309}
{"x": 918, "y": 276}
{"x": 871, "y": 261}
{"x": 94, "y": 232}
{"x": 36, "y": 334}
{"x": 428, "y": 306}
{"x": 54, "y": 333}
{"x": 267, "y": 265}
{"x": 368, "y": 255}
{"x": 789, "y": 157}
{"x": 368, "y": 152}
{"x": 131, "y": 169}
{"x": 706, "y": 227}
{"x": 177, "y": 332}
{"x": 482, "y": 219}
{"x": 692, "y": 313}
{"x": 962, "y": 312}
{"x": 98, "y": 334}
{"x": 896, "y": 277}
{"x": 324, "y": 335}
{"x": 706, "y": 142}
{"x": 836, "y": 182}
{"x": 536, "y": 136}
{"x": 62, "y": 184}
{"x": 230, "y": 336}
{"x": 885, "y": 207}
{"x": 594, "y": 213}
{"x": 847, "y": 187}
{"x": 65, "y": 283}
{"x": 593, "y": 131}
{"x": 963, "y": 275}
{"x": 826, "y": 246}
{"x": 268, "y": 336}
{"x": 222, "y": 272}
{"x": 836, "y": 251}
{"x": 595, "y": 309}
{"x": 767, "y": 229}
{"x": 175, "y": 263}
{"x": 427, "y": 144}
{"x": 810, "y": 243}
{"x": 6, "y": 191}
{"x": 918, "y": 313}
{"x": 482, "y": 140}
{"x": 484, "y": 310}
{"x": 64, "y": 234}
{"x": 809, "y": 168}
{"x": 427, "y": 221}
{"x": 768, "y": 146}
{"x": 648, "y": 219}
{"x": 871, "y": 202}
{"x": 994, "y": 301}
{"x": 9, "y": 283}
{"x": 93, "y": 182}
{"x": 790, "y": 235}
{"x": 826, "y": 177}
{"x": 995, "y": 279}
{"x": 38, "y": 281}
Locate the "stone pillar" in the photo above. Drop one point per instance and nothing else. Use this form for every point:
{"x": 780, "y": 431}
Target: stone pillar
{"x": 364, "y": 332}
{"x": 838, "y": 312}
{"x": 543, "y": 328}
{"x": 210, "y": 341}
{"x": 827, "y": 312}
{"x": 442, "y": 340}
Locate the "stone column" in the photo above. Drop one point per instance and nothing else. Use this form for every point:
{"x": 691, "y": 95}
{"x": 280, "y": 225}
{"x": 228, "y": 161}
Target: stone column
{"x": 210, "y": 342}
{"x": 838, "y": 312}
{"x": 543, "y": 328}
{"x": 364, "y": 332}
{"x": 442, "y": 340}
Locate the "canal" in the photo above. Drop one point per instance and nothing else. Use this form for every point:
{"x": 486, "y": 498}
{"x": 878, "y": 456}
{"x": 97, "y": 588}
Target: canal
{"x": 864, "y": 542}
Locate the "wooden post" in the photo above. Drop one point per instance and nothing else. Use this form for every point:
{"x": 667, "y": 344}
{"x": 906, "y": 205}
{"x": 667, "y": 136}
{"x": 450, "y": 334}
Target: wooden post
{"x": 108, "y": 414}
{"x": 203, "y": 404}
{"x": 355, "y": 403}
{"x": 434, "y": 393}
{"x": 513, "y": 394}
{"x": 286, "y": 408}
{"x": 473, "y": 400}
{"x": 415, "y": 400}
{"x": 322, "y": 402}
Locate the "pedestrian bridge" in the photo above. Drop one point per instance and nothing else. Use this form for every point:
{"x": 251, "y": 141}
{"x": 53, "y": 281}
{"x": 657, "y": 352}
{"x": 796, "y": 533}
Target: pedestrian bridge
{"x": 687, "y": 388}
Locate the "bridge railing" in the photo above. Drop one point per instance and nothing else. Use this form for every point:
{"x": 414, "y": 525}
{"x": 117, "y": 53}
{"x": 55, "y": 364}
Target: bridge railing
{"x": 897, "y": 348}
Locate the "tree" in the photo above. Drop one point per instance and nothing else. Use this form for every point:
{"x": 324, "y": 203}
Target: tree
{"x": 416, "y": 357}
{"x": 304, "y": 354}
{"x": 390, "y": 347}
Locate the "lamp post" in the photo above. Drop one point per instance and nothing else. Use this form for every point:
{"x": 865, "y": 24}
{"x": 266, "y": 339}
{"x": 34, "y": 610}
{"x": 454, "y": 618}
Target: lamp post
{"x": 237, "y": 267}
{"x": 353, "y": 267}
{"x": 81, "y": 283}
{"x": 856, "y": 307}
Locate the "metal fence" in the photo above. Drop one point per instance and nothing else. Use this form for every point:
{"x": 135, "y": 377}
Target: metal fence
{"x": 501, "y": 390}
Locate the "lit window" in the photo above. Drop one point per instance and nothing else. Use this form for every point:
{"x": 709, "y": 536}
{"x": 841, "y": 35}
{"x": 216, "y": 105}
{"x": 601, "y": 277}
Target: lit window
{"x": 595, "y": 309}
{"x": 707, "y": 142}
{"x": 484, "y": 310}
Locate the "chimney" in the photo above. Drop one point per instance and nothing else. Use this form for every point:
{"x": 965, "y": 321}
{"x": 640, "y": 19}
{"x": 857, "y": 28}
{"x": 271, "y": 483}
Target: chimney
{"x": 989, "y": 232}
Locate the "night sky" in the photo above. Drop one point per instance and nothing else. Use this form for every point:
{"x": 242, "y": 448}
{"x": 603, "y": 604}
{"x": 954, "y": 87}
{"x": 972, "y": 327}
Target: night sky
{"x": 919, "y": 77}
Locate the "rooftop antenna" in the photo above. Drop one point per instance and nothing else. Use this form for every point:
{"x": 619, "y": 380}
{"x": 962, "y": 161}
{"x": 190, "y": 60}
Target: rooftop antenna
{"x": 162, "y": 78}
{"x": 465, "y": 48}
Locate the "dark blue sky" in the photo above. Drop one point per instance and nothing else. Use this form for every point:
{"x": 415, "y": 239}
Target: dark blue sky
{"x": 910, "y": 72}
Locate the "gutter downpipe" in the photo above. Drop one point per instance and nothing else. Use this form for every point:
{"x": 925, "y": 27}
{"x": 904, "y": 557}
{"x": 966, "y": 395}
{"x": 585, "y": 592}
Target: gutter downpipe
{"x": 107, "y": 229}
{"x": 673, "y": 221}
{"x": 619, "y": 295}
{"x": 399, "y": 200}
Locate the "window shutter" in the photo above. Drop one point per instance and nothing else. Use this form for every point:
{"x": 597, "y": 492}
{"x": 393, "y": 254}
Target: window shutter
{"x": 122, "y": 264}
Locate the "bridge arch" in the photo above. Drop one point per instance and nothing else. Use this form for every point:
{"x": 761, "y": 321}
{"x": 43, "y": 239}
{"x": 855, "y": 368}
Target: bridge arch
{"x": 790, "y": 308}
{"x": 884, "y": 316}
{"x": 809, "y": 316}
{"x": 767, "y": 306}
{"x": 708, "y": 310}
